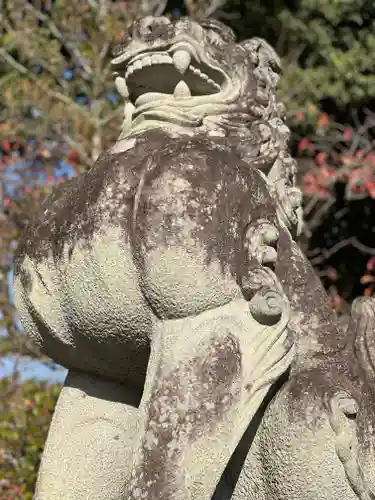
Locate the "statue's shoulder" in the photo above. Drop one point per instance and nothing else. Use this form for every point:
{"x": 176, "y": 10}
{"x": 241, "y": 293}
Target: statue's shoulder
{"x": 74, "y": 210}
{"x": 153, "y": 168}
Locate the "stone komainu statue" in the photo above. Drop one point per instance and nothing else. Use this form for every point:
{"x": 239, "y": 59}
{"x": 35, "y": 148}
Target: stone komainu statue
{"x": 202, "y": 352}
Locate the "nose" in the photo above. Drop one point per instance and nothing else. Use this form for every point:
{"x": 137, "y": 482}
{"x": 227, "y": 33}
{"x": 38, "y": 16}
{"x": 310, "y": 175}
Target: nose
{"x": 150, "y": 28}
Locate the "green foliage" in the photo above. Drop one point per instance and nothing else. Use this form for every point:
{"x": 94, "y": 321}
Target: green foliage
{"x": 53, "y": 58}
{"x": 326, "y": 45}
{"x": 25, "y": 414}
{"x": 338, "y": 39}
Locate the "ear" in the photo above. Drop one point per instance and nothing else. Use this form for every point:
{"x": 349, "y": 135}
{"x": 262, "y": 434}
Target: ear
{"x": 226, "y": 33}
{"x": 345, "y": 403}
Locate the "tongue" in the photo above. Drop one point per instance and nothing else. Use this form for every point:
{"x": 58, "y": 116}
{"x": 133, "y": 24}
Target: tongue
{"x": 181, "y": 91}
{"x": 149, "y": 97}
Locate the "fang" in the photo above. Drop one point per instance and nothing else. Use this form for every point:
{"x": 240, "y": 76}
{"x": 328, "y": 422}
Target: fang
{"x": 181, "y": 60}
{"x": 181, "y": 90}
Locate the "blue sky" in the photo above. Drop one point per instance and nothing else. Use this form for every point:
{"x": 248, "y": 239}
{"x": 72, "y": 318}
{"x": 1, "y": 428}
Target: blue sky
{"x": 32, "y": 369}
{"x": 28, "y": 368}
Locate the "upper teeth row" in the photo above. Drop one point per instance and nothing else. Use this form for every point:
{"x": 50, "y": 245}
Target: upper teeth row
{"x": 181, "y": 60}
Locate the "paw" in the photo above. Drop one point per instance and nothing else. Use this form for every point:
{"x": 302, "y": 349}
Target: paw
{"x": 267, "y": 300}
{"x": 261, "y": 241}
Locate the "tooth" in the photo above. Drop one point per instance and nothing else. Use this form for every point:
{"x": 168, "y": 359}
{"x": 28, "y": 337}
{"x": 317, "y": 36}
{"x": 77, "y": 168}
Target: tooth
{"x": 165, "y": 58}
{"x": 129, "y": 109}
{"x": 129, "y": 71}
{"x": 127, "y": 123}
{"x": 156, "y": 59}
{"x": 137, "y": 65}
{"x": 146, "y": 61}
{"x": 181, "y": 90}
{"x": 181, "y": 60}
{"x": 122, "y": 87}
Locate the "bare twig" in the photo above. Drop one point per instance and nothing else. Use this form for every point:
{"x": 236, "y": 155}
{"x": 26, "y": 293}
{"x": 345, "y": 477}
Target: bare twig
{"x": 228, "y": 16}
{"x": 52, "y": 93}
{"x": 73, "y": 144}
{"x": 111, "y": 116}
{"x": 94, "y": 5}
{"x": 72, "y": 49}
{"x": 153, "y": 7}
{"x": 313, "y": 252}
{"x": 196, "y": 11}
{"x": 212, "y": 8}
{"x": 311, "y": 205}
{"x": 326, "y": 254}
{"x": 102, "y": 12}
{"x": 104, "y": 51}
{"x": 13, "y": 380}
{"x": 340, "y": 214}
{"x": 315, "y": 220}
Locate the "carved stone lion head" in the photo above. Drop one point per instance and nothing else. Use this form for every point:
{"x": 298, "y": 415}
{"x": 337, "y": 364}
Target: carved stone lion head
{"x": 193, "y": 79}
{"x": 196, "y": 77}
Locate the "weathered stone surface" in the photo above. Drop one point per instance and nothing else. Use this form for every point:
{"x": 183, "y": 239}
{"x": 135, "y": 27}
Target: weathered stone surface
{"x": 84, "y": 455}
{"x": 157, "y": 247}
{"x": 167, "y": 280}
{"x": 315, "y": 439}
{"x": 125, "y": 244}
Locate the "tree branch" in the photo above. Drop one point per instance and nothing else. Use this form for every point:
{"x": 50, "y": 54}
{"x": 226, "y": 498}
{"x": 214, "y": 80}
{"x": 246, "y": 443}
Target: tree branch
{"x": 74, "y": 51}
{"x": 73, "y": 144}
{"x": 326, "y": 254}
{"x": 153, "y": 7}
{"x": 111, "y": 116}
{"x": 213, "y": 7}
{"x": 314, "y": 222}
{"x": 52, "y": 93}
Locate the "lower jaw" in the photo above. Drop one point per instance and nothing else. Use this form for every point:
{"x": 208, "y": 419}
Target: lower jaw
{"x": 164, "y": 115}
{"x": 186, "y": 116}
{"x": 143, "y": 123}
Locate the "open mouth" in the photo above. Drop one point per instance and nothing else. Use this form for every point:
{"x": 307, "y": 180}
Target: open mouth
{"x": 153, "y": 75}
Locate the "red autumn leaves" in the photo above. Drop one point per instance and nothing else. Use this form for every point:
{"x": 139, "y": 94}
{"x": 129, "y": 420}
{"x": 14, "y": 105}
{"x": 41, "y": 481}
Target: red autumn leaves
{"x": 336, "y": 159}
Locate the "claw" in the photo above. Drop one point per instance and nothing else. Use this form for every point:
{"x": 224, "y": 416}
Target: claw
{"x": 268, "y": 255}
{"x": 270, "y": 235}
{"x": 262, "y": 237}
